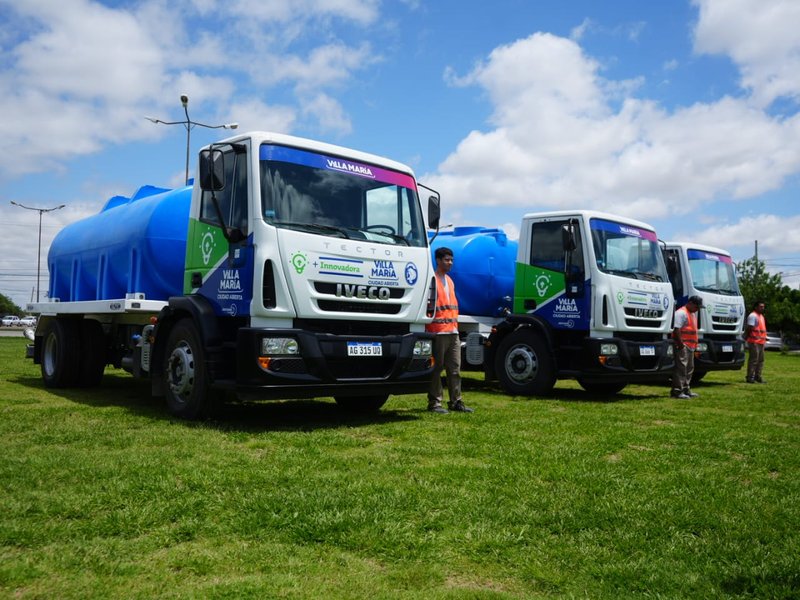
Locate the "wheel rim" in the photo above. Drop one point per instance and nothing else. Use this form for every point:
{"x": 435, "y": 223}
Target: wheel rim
{"x": 521, "y": 364}
{"x": 49, "y": 355}
{"x": 181, "y": 371}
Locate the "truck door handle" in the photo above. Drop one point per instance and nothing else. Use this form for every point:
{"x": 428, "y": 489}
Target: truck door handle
{"x": 197, "y": 279}
{"x": 529, "y": 304}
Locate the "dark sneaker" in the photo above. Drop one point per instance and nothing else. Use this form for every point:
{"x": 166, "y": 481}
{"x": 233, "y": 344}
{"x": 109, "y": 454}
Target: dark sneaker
{"x": 438, "y": 409}
{"x": 459, "y": 407}
{"x": 691, "y": 394}
{"x": 682, "y": 396}
{"x": 675, "y": 393}
{"x": 749, "y": 380}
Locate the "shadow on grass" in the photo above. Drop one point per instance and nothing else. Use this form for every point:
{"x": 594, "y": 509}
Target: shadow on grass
{"x": 122, "y": 390}
{"x": 566, "y": 394}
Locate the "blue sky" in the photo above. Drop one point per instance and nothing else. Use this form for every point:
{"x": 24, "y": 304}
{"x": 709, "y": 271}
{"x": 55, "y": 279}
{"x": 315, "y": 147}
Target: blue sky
{"x": 681, "y": 113}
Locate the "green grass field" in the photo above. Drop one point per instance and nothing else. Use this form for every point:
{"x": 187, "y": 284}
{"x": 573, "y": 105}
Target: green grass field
{"x": 104, "y": 495}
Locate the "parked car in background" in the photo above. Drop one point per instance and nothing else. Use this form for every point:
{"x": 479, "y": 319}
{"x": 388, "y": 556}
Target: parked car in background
{"x": 27, "y": 321}
{"x": 10, "y": 320}
{"x": 774, "y": 341}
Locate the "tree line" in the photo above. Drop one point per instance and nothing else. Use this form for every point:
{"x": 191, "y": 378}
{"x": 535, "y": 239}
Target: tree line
{"x": 783, "y": 302}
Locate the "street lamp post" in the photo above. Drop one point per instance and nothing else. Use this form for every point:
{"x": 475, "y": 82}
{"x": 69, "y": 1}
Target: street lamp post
{"x": 41, "y": 211}
{"x": 189, "y": 124}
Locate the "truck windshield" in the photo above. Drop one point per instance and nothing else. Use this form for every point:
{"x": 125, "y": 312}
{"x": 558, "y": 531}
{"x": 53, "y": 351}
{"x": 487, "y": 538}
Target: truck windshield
{"x": 712, "y": 272}
{"x": 327, "y": 195}
{"x": 627, "y": 250}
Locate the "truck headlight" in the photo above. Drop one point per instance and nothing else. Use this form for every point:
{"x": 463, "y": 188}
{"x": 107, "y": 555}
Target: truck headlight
{"x": 702, "y": 347}
{"x": 609, "y": 349}
{"x": 670, "y": 350}
{"x": 423, "y": 348}
{"x": 279, "y": 346}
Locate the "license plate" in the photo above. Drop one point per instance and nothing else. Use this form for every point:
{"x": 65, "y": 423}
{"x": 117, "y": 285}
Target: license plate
{"x": 647, "y": 350}
{"x": 364, "y": 349}
{"x": 727, "y": 348}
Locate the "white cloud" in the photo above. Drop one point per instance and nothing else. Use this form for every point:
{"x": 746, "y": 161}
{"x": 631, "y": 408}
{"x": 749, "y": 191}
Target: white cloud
{"x": 760, "y": 36}
{"x": 329, "y": 114}
{"x": 363, "y": 12}
{"x": 79, "y": 75}
{"x": 255, "y": 115}
{"x": 561, "y": 138}
{"x": 776, "y": 235}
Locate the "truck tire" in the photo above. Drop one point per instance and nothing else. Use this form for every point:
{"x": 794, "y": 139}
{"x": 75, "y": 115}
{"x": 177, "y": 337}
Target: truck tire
{"x": 93, "y": 353}
{"x": 524, "y": 365}
{"x": 186, "y": 382}
{"x": 60, "y": 353}
{"x": 697, "y": 376}
{"x": 602, "y": 388}
{"x": 361, "y": 404}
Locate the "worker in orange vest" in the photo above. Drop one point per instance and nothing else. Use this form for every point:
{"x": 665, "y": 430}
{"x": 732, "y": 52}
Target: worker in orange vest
{"x": 684, "y": 338}
{"x": 446, "y": 343}
{"x": 755, "y": 334}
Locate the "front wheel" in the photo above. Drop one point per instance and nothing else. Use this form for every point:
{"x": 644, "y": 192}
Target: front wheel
{"x": 186, "y": 380}
{"x": 524, "y": 364}
{"x": 361, "y": 404}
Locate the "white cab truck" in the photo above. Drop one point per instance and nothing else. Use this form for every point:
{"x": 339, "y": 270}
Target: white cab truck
{"x": 581, "y": 295}
{"x": 291, "y": 269}
{"x": 709, "y": 272}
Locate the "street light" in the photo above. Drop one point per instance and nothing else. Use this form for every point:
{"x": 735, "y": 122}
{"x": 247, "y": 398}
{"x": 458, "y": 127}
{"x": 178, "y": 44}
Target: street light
{"x": 189, "y": 124}
{"x": 39, "y": 253}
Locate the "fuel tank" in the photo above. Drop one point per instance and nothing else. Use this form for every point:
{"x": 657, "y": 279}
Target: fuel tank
{"x": 483, "y": 268}
{"x": 133, "y": 245}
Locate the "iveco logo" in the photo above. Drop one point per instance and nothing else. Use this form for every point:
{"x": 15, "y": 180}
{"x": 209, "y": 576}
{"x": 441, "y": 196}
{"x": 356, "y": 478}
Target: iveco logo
{"x": 645, "y": 313}
{"x": 372, "y": 292}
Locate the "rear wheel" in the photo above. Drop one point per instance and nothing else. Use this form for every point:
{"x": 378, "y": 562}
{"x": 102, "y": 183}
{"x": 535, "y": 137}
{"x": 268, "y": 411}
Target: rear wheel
{"x": 186, "y": 381}
{"x": 93, "y": 353}
{"x": 524, "y": 364}
{"x": 361, "y": 404}
{"x": 60, "y": 353}
{"x": 602, "y": 388}
{"x": 698, "y": 375}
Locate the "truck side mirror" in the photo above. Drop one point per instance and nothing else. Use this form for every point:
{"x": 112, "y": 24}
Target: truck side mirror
{"x": 568, "y": 238}
{"x": 434, "y": 212}
{"x": 211, "y": 170}
{"x": 672, "y": 265}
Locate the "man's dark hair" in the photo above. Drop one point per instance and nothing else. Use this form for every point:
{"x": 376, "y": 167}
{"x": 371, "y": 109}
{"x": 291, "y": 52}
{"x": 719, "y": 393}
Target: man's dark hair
{"x": 757, "y": 302}
{"x": 442, "y": 251}
{"x": 696, "y": 300}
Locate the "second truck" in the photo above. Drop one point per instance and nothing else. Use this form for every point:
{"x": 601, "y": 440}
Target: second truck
{"x": 709, "y": 272}
{"x": 582, "y": 295}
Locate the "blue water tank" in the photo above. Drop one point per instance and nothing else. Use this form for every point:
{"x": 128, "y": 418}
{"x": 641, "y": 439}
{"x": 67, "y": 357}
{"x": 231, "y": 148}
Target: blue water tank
{"x": 483, "y": 268}
{"x": 133, "y": 245}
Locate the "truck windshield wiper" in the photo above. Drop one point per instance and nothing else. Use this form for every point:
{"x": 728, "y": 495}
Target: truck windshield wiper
{"x": 621, "y": 273}
{"x": 648, "y": 276}
{"x": 313, "y": 227}
{"x": 392, "y": 236}
{"x": 715, "y": 290}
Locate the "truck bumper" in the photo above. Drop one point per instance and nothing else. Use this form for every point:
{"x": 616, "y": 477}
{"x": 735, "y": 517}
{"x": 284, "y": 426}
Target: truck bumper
{"x": 720, "y": 355}
{"x": 323, "y": 367}
{"x": 633, "y": 361}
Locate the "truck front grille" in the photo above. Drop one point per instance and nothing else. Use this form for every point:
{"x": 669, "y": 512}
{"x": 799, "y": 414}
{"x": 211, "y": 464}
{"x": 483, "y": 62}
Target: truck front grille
{"x": 374, "y": 308}
{"x": 643, "y": 317}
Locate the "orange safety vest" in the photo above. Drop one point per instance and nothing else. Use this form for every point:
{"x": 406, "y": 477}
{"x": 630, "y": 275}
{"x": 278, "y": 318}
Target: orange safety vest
{"x": 445, "y": 316}
{"x": 758, "y": 334}
{"x": 689, "y": 331}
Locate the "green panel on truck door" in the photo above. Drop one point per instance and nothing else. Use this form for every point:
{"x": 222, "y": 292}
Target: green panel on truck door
{"x": 206, "y": 248}
{"x": 537, "y": 284}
